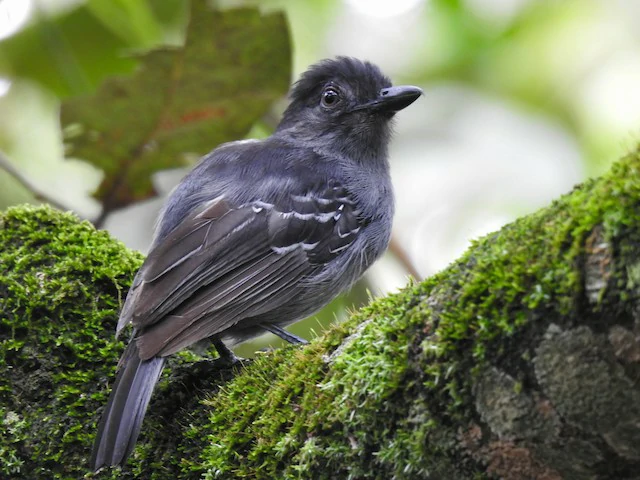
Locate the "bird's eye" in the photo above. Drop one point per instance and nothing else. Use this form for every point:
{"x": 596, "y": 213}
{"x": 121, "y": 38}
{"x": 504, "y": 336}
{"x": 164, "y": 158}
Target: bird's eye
{"x": 330, "y": 97}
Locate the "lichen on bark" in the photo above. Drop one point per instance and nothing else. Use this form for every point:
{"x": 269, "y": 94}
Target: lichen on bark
{"x": 520, "y": 360}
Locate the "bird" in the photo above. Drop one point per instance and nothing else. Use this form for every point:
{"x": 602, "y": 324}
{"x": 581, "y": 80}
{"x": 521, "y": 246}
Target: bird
{"x": 261, "y": 234}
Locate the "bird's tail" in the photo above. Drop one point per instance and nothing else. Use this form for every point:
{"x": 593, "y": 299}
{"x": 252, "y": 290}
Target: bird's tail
{"x": 122, "y": 418}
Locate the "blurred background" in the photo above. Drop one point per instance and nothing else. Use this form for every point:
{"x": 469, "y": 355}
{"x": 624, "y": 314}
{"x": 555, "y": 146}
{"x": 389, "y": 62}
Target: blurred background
{"x": 103, "y": 106}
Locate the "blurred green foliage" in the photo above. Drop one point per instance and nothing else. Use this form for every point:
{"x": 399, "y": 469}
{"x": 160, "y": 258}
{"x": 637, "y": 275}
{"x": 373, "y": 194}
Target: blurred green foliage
{"x": 536, "y": 59}
{"x": 152, "y": 108}
{"x": 180, "y": 100}
{"x": 71, "y": 53}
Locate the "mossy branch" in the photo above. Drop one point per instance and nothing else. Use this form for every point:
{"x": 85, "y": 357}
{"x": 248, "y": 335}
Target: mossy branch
{"x": 521, "y": 360}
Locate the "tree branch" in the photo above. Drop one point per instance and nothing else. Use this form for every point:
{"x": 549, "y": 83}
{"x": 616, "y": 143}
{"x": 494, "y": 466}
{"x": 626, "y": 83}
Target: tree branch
{"x": 38, "y": 194}
{"x": 401, "y": 255}
{"x": 521, "y": 360}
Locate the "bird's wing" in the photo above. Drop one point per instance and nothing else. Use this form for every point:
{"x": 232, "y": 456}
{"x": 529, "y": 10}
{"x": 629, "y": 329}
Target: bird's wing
{"x": 224, "y": 263}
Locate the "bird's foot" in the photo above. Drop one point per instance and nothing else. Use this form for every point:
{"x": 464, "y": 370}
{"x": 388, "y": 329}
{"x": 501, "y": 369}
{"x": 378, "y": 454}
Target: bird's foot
{"x": 226, "y": 356}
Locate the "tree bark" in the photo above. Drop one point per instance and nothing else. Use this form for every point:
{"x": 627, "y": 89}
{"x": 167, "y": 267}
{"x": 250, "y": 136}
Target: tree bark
{"x": 519, "y": 361}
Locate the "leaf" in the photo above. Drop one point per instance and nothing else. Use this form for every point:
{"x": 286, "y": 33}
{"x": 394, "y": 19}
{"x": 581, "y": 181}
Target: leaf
{"x": 181, "y": 101}
{"x": 72, "y": 52}
{"x": 133, "y": 21}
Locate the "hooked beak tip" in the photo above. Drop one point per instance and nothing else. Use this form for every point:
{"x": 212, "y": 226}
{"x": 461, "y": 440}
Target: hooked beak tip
{"x": 393, "y": 99}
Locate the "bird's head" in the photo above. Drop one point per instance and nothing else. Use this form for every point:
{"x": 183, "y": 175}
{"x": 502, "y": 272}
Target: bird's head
{"x": 346, "y": 103}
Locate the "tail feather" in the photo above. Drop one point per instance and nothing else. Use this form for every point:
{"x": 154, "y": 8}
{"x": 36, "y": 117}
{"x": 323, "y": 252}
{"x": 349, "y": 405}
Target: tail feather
{"x": 122, "y": 418}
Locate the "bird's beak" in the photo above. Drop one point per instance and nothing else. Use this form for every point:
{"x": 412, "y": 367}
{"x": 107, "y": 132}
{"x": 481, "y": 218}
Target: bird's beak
{"x": 392, "y": 99}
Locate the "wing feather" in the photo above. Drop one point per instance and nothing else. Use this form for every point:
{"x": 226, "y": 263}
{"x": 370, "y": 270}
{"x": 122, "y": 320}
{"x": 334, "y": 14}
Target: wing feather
{"x": 222, "y": 304}
{"x": 227, "y": 263}
{"x": 210, "y": 253}
{"x": 256, "y": 301}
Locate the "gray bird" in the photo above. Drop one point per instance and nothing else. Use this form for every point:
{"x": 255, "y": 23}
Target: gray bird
{"x": 260, "y": 234}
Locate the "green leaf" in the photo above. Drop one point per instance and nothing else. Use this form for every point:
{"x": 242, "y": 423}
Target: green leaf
{"x": 182, "y": 101}
{"x": 71, "y": 53}
{"x": 133, "y": 21}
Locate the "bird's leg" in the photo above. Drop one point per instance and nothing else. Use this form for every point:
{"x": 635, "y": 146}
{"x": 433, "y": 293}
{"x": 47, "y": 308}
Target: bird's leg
{"x": 283, "y": 334}
{"x": 226, "y": 355}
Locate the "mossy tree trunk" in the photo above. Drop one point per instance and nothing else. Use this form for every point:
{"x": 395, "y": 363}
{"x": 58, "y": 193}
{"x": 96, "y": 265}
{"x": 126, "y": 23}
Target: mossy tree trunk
{"x": 519, "y": 361}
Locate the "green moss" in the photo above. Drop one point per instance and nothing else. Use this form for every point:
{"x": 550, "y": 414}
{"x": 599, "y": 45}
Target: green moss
{"x": 387, "y": 394}
{"x": 13, "y": 430}
{"x": 393, "y": 399}
{"x": 61, "y": 284}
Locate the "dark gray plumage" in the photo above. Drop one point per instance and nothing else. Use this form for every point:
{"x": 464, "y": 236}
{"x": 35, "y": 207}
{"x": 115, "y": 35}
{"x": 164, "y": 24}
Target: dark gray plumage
{"x": 261, "y": 234}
